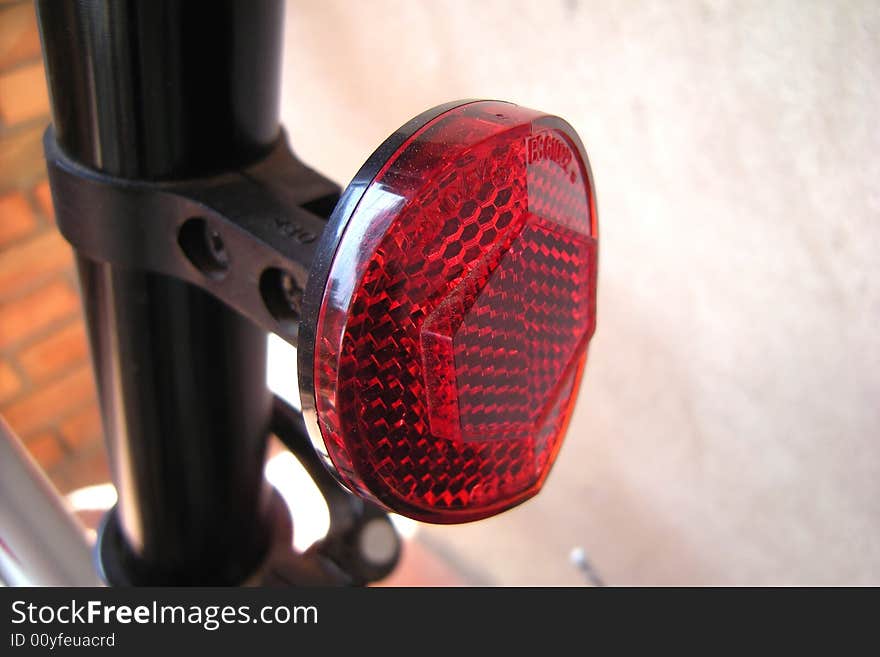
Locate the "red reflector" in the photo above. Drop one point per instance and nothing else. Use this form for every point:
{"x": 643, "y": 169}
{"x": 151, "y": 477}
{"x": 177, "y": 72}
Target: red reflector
{"x": 453, "y": 299}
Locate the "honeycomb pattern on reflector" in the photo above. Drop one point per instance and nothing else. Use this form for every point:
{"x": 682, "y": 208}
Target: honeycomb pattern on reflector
{"x": 456, "y": 317}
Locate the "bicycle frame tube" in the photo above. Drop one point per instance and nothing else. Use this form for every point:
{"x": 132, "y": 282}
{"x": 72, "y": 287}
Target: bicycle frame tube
{"x": 42, "y": 543}
{"x": 166, "y": 90}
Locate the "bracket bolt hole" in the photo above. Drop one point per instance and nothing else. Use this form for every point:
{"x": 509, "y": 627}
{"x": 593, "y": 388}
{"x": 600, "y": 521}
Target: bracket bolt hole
{"x": 203, "y": 246}
{"x": 283, "y": 297}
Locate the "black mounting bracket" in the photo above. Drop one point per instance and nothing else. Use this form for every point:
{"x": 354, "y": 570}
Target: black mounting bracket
{"x": 247, "y": 237}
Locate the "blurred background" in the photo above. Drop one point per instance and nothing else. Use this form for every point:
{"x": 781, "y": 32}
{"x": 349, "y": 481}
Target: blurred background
{"x": 728, "y": 427}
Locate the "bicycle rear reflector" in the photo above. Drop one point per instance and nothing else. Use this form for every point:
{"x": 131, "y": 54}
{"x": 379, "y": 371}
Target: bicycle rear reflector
{"x": 449, "y": 309}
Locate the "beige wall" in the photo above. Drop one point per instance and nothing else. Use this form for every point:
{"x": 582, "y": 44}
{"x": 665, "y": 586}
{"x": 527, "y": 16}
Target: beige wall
{"x": 728, "y": 430}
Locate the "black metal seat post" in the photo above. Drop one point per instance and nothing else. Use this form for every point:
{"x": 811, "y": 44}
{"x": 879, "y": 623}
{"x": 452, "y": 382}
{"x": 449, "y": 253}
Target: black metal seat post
{"x": 167, "y": 90}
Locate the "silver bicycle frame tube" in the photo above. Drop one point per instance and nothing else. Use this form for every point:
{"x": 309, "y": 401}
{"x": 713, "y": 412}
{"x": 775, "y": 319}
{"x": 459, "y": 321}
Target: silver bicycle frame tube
{"x": 41, "y": 542}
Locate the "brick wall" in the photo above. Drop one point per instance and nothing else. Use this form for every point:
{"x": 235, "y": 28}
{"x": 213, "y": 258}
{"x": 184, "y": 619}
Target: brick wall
{"x": 47, "y": 392}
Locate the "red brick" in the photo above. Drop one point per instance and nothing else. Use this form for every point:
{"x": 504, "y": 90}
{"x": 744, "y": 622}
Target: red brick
{"x": 41, "y": 408}
{"x": 45, "y": 448}
{"x": 19, "y": 37}
{"x": 82, "y": 429}
{"x": 58, "y": 352}
{"x": 36, "y": 311}
{"x": 16, "y": 218}
{"x": 23, "y": 94}
{"x": 21, "y": 157}
{"x": 33, "y": 262}
{"x": 43, "y": 194}
{"x": 10, "y": 384}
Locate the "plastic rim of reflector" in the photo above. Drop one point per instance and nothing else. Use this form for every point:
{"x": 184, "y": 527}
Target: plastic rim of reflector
{"x": 449, "y": 310}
